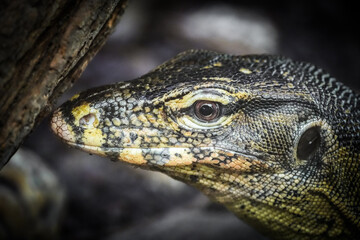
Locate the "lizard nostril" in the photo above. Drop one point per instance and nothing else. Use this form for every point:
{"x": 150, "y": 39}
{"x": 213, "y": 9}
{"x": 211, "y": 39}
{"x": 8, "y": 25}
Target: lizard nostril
{"x": 87, "y": 120}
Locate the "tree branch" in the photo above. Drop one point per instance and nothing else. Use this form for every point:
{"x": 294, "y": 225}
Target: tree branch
{"x": 45, "y": 46}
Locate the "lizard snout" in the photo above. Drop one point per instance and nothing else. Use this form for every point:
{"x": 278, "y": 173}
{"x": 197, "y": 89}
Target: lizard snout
{"x": 61, "y": 128}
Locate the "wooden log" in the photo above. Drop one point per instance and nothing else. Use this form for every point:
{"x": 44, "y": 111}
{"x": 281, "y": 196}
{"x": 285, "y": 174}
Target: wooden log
{"x": 44, "y": 47}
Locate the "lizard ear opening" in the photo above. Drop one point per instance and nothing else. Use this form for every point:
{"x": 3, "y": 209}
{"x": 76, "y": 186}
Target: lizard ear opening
{"x": 308, "y": 143}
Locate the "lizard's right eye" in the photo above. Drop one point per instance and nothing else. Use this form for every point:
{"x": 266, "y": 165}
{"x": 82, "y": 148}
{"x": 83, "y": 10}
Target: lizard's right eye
{"x": 203, "y": 109}
{"x": 207, "y": 110}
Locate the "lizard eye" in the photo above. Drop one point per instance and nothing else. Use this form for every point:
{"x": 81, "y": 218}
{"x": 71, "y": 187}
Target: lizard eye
{"x": 308, "y": 143}
{"x": 207, "y": 110}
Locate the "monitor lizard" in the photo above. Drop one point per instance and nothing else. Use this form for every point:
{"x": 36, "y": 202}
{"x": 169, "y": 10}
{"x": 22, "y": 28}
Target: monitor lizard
{"x": 274, "y": 140}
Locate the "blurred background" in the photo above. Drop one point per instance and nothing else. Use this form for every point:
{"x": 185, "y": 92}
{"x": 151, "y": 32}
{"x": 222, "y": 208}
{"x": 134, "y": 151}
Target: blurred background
{"x": 100, "y": 199}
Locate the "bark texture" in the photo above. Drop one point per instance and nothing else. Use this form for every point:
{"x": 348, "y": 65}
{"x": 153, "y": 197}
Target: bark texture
{"x": 44, "y": 47}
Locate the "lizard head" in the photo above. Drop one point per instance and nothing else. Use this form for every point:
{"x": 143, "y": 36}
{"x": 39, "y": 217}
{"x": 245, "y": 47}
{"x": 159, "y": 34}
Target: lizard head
{"x": 256, "y": 133}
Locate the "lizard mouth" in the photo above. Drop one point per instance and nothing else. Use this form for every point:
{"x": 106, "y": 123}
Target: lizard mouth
{"x": 161, "y": 155}
{"x": 178, "y": 156}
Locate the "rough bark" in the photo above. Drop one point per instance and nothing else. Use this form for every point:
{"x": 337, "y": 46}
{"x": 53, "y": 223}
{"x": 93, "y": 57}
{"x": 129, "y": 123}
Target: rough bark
{"x": 44, "y": 47}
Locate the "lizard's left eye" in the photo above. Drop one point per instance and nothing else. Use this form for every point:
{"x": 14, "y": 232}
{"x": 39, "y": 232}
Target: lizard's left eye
{"x": 207, "y": 110}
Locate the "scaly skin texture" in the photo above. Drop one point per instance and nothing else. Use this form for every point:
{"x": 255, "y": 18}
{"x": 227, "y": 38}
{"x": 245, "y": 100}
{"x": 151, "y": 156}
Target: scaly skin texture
{"x": 282, "y": 152}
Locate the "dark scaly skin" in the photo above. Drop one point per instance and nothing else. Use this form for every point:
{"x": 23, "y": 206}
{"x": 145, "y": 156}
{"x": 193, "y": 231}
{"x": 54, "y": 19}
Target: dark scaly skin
{"x": 248, "y": 159}
{"x": 31, "y": 199}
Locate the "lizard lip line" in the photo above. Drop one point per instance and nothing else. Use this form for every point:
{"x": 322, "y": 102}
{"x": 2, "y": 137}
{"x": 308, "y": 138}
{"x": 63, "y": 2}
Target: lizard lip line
{"x": 60, "y": 127}
{"x": 95, "y": 149}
